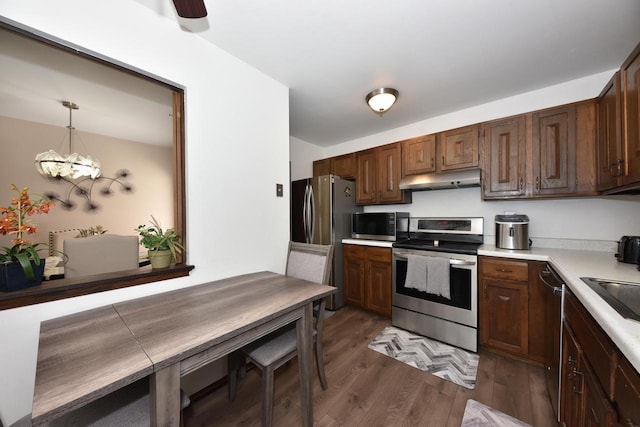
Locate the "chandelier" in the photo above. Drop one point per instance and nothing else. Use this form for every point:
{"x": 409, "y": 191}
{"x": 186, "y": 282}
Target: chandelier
{"x": 71, "y": 166}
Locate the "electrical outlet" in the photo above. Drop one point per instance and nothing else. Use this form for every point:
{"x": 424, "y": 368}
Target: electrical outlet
{"x": 279, "y": 190}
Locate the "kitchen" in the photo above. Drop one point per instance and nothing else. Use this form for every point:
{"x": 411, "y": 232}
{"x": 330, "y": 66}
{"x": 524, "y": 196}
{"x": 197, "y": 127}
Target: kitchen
{"x": 552, "y": 220}
{"x": 576, "y": 244}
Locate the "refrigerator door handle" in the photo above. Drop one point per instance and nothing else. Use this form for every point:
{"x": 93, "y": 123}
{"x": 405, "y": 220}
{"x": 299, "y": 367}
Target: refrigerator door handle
{"x": 305, "y": 209}
{"x": 312, "y": 215}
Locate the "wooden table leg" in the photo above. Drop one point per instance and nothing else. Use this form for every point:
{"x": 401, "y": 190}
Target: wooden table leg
{"x": 164, "y": 397}
{"x": 304, "y": 329}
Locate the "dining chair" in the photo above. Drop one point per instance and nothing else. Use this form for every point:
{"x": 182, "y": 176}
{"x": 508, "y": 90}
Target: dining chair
{"x": 304, "y": 261}
{"x": 102, "y": 253}
{"x": 126, "y": 407}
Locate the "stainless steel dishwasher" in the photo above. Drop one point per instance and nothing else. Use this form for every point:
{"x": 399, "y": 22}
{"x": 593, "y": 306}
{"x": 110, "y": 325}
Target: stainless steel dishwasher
{"x": 554, "y": 303}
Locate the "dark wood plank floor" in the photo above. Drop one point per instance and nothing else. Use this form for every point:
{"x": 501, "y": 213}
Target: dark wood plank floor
{"x": 367, "y": 388}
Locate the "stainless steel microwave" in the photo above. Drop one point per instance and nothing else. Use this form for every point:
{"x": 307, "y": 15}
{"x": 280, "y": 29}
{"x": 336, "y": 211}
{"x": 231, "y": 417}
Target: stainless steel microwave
{"x": 389, "y": 226}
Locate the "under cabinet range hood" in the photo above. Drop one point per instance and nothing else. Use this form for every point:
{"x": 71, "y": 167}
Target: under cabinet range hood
{"x": 441, "y": 180}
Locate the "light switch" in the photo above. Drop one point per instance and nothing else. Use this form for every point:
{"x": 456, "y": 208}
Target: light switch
{"x": 279, "y": 190}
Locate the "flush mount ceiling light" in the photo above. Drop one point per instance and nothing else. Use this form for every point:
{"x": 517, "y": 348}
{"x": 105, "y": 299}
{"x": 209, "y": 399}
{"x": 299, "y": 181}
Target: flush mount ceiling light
{"x": 53, "y": 165}
{"x": 380, "y": 100}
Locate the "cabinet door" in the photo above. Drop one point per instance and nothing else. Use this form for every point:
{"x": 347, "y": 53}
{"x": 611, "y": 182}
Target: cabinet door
{"x": 627, "y": 393}
{"x": 322, "y": 167}
{"x": 459, "y": 148}
{"x": 554, "y": 151}
{"x": 570, "y": 402}
{"x": 345, "y": 166}
{"x": 419, "y": 155}
{"x": 597, "y": 411}
{"x": 609, "y": 140}
{"x": 504, "y": 315}
{"x": 503, "y": 158}
{"x": 631, "y": 81}
{"x": 378, "y": 295}
{"x": 354, "y": 280}
{"x": 388, "y": 164}
{"x": 366, "y": 181}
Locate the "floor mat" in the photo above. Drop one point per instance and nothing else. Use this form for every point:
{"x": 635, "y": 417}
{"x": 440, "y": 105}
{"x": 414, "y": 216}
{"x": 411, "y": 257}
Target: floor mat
{"x": 442, "y": 360}
{"x": 478, "y": 415}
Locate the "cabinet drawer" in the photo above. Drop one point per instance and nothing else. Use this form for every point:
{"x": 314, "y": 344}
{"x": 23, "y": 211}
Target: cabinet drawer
{"x": 501, "y": 268}
{"x": 354, "y": 251}
{"x": 379, "y": 254}
{"x": 597, "y": 347}
{"x": 627, "y": 393}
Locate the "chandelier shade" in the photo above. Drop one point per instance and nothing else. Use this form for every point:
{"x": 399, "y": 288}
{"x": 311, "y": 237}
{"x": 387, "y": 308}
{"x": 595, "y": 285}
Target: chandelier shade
{"x": 73, "y": 166}
{"x": 381, "y": 100}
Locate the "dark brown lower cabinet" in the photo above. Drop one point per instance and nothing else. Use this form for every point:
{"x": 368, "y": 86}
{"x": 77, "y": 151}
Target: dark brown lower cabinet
{"x": 512, "y": 303}
{"x": 571, "y": 357}
{"x": 367, "y": 278}
{"x": 599, "y": 386}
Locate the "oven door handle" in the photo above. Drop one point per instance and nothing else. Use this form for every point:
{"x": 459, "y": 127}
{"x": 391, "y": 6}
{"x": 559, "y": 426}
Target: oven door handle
{"x": 452, "y": 261}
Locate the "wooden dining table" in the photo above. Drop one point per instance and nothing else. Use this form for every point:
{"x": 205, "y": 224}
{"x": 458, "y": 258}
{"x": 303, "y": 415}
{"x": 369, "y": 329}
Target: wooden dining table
{"x": 87, "y": 355}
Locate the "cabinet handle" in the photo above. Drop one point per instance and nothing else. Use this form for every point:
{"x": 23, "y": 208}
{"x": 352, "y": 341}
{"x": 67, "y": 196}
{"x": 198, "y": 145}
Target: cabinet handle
{"x": 503, "y": 298}
{"x": 575, "y": 373}
{"x": 571, "y": 361}
{"x": 504, "y": 270}
{"x": 442, "y": 160}
{"x": 613, "y": 165}
{"x": 537, "y": 183}
{"x": 620, "y": 164}
{"x": 521, "y": 185}
{"x": 433, "y": 161}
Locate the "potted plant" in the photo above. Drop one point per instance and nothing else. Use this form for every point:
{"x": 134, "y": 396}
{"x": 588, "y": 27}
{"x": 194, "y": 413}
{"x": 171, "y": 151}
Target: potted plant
{"x": 163, "y": 245}
{"x": 20, "y": 264}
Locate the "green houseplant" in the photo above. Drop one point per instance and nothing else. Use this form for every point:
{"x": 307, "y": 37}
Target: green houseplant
{"x": 162, "y": 245}
{"x": 20, "y": 263}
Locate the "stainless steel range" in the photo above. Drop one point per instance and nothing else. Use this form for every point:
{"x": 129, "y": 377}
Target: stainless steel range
{"x": 449, "y": 315}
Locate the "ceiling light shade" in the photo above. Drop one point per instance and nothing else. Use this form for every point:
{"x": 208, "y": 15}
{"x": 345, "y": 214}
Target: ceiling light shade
{"x": 53, "y": 165}
{"x": 380, "y": 100}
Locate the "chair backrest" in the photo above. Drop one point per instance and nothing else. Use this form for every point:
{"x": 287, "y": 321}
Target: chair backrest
{"x": 310, "y": 262}
{"x": 103, "y": 253}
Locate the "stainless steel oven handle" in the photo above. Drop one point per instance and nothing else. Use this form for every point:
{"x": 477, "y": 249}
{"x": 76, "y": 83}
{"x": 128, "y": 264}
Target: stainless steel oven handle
{"x": 452, "y": 261}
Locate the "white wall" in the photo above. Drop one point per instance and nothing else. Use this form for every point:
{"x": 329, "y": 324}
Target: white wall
{"x": 236, "y": 152}
{"x": 302, "y": 155}
{"x": 151, "y": 175}
{"x": 602, "y": 219}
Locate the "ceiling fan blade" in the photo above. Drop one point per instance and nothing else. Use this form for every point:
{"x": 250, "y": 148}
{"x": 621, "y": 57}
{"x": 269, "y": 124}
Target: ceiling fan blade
{"x": 190, "y": 8}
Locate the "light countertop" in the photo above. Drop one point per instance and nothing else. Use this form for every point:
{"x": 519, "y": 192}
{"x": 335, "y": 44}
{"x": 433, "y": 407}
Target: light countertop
{"x": 574, "y": 264}
{"x": 363, "y": 242}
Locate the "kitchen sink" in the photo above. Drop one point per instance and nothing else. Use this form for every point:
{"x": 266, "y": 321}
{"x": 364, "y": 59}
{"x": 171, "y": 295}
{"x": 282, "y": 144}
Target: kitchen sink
{"x": 623, "y": 297}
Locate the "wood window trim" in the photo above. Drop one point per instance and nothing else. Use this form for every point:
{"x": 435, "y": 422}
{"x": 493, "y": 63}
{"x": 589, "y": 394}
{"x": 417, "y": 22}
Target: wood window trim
{"x": 68, "y": 288}
{"x": 53, "y": 290}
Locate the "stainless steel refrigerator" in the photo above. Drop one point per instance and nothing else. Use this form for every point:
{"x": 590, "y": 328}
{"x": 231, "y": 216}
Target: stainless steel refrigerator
{"x": 321, "y": 209}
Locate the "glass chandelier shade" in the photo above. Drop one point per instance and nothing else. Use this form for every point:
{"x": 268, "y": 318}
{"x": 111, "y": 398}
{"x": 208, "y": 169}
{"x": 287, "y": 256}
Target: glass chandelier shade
{"x": 381, "y": 100}
{"x": 53, "y": 165}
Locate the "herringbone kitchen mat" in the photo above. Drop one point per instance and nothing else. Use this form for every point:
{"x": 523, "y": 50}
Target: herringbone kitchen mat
{"x": 442, "y": 360}
{"x": 478, "y": 415}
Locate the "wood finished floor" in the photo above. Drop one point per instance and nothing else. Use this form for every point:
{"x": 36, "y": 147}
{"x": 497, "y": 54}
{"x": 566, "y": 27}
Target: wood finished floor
{"x": 367, "y": 388}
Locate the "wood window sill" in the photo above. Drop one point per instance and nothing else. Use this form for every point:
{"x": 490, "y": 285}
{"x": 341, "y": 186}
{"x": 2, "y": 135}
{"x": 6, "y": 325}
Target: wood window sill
{"x": 53, "y": 290}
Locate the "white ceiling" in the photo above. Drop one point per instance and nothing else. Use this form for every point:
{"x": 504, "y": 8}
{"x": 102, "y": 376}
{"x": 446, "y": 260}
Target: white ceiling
{"x": 36, "y": 78}
{"x": 442, "y": 55}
